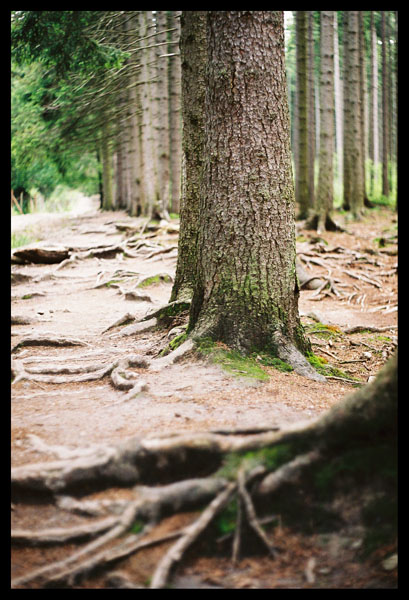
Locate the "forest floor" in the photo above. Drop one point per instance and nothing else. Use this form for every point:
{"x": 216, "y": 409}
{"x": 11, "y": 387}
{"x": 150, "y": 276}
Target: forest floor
{"x": 115, "y": 271}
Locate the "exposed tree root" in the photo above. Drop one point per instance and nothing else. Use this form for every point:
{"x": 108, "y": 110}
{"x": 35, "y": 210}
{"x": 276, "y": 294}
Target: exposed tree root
{"x": 120, "y": 378}
{"x": 45, "y": 340}
{"x": 59, "y": 535}
{"x": 364, "y": 417}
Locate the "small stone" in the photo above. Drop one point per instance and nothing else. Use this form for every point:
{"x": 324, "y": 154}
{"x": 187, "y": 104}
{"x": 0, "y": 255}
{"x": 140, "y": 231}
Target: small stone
{"x": 367, "y": 354}
{"x": 390, "y": 563}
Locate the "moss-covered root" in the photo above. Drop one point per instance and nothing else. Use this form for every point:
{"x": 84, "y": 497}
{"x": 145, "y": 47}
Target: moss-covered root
{"x": 291, "y": 355}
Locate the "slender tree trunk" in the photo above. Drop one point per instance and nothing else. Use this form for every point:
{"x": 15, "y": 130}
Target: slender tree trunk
{"x": 374, "y": 120}
{"x": 132, "y": 125}
{"x": 311, "y": 108}
{"x": 193, "y": 51}
{"x": 362, "y": 88}
{"x": 246, "y": 292}
{"x": 338, "y": 99}
{"x": 148, "y": 178}
{"x": 347, "y": 184}
{"x": 324, "y": 203}
{"x": 301, "y": 183}
{"x": 175, "y": 122}
{"x": 385, "y": 110}
{"x": 162, "y": 123}
{"x": 353, "y": 182}
{"x": 106, "y": 159}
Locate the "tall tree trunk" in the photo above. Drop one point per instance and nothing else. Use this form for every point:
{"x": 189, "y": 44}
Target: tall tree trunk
{"x": 353, "y": 182}
{"x": 338, "y": 99}
{"x": 324, "y": 203}
{"x": 362, "y": 88}
{"x": 373, "y": 140}
{"x": 246, "y": 292}
{"x": 193, "y": 54}
{"x": 311, "y": 108}
{"x": 106, "y": 159}
{"x": 148, "y": 177}
{"x": 132, "y": 125}
{"x": 162, "y": 123}
{"x": 301, "y": 182}
{"x": 385, "y": 110}
{"x": 175, "y": 121}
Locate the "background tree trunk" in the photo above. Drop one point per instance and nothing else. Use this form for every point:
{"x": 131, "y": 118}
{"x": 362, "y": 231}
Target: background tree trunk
{"x": 324, "y": 203}
{"x": 338, "y": 99}
{"x": 353, "y": 182}
{"x": 385, "y": 110}
{"x": 311, "y": 109}
{"x": 193, "y": 51}
{"x": 301, "y": 182}
{"x": 175, "y": 121}
{"x": 162, "y": 123}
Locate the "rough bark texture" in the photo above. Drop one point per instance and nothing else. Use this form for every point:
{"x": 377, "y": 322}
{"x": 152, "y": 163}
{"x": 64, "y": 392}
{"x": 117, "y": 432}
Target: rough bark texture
{"x": 147, "y": 141}
{"x": 106, "y": 159}
{"x": 385, "y": 111}
{"x": 353, "y": 182}
{"x": 193, "y": 64}
{"x": 324, "y": 202}
{"x": 175, "y": 122}
{"x": 162, "y": 122}
{"x": 311, "y": 108}
{"x": 301, "y": 185}
{"x": 338, "y": 99}
{"x": 246, "y": 292}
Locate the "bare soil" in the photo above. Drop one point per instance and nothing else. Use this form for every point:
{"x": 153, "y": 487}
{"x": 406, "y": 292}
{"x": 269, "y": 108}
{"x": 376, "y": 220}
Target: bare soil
{"x": 193, "y": 394}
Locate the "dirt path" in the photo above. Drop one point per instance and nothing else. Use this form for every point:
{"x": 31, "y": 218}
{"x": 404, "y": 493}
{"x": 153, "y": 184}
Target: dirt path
{"x": 71, "y": 301}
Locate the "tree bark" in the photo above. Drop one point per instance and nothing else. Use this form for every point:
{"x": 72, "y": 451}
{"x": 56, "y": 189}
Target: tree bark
{"x": 162, "y": 123}
{"x": 338, "y": 99}
{"x": 353, "y": 183}
{"x": 246, "y": 292}
{"x": 301, "y": 184}
{"x": 324, "y": 203}
{"x": 193, "y": 50}
{"x": 311, "y": 109}
{"x": 385, "y": 110}
{"x": 175, "y": 122}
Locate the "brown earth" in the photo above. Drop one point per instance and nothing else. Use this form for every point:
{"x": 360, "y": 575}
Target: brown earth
{"x": 191, "y": 395}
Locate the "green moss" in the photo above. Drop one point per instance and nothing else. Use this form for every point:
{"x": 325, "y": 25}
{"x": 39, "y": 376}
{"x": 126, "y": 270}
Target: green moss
{"x": 380, "y": 517}
{"x": 271, "y": 458}
{"x": 173, "y": 344}
{"x": 361, "y": 464}
{"x": 271, "y": 361}
{"x": 326, "y": 331}
{"x": 137, "y": 527}
{"x": 320, "y": 365}
{"x": 26, "y": 297}
{"x": 231, "y": 360}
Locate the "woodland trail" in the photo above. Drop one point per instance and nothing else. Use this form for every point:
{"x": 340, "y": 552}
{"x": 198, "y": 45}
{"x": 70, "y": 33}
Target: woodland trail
{"x": 79, "y": 386}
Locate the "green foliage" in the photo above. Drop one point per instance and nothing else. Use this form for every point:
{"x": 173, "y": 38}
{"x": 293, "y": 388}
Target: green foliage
{"x": 61, "y": 40}
{"x": 137, "y": 527}
{"x": 22, "y": 238}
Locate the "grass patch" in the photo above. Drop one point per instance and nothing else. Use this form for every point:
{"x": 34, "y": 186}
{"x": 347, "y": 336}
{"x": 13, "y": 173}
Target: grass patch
{"x": 22, "y": 238}
{"x": 321, "y": 365}
{"x": 325, "y": 331}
